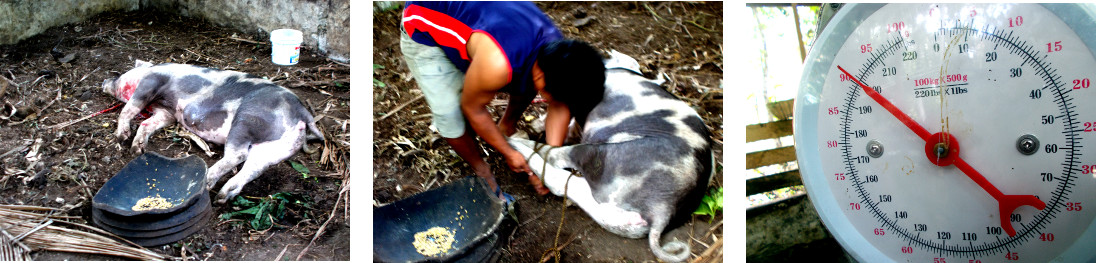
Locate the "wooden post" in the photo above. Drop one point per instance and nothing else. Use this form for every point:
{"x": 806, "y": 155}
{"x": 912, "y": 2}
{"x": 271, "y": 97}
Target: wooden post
{"x": 799, "y": 34}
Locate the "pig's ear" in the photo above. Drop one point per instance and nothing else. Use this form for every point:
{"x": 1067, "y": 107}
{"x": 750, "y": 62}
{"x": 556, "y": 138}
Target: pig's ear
{"x": 142, "y": 64}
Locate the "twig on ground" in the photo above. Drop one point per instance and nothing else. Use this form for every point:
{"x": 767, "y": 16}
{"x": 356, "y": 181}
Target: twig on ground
{"x": 9, "y": 81}
{"x": 32, "y": 230}
{"x": 698, "y": 25}
{"x": 4, "y": 86}
{"x": 42, "y": 112}
{"x": 340, "y": 63}
{"x": 652, "y": 12}
{"x": 398, "y": 108}
{"x": 683, "y": 27}
{"x": 713, "y": 228}
{"x": 712, "y": 254}
{"x": 16, "y": 149}
{"x": 57, "y": 238}
{"x": 342, "y": 195}
{"x": 229, "y": 221}
{"x": 89, "y": 74}
{"x": 248, "y": 41}
{"x": 698, "y": 241}
{"x": 36, "y": 80}
{"x": 212, "y": 249}
{"x": 11, "y": 239}
{"x": 314, "y": 83}
{"x": 200, "y": 56}
{"x": 279, "y": 257}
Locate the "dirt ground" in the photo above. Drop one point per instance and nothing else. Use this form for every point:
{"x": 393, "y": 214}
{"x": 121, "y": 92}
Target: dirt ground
{"x": 55, "y": 77}
{"x": 681, "y": 39}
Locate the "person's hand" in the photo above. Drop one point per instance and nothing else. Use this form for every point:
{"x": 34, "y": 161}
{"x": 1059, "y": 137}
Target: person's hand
{"x": 519, "y": 165}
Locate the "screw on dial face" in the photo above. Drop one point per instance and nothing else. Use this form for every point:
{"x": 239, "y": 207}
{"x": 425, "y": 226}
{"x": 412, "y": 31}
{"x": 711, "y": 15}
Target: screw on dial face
{"x": 1027, "y": 144}
{"x": 875, "y": 149}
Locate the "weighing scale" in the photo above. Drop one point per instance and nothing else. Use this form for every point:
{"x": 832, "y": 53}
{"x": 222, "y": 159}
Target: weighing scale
{"x": 953, "y": 132}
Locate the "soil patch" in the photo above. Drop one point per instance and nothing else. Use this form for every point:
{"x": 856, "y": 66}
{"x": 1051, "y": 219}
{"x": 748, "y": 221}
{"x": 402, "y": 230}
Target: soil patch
{"x": 679, "y": 39}
{"x": 55, "y": 77}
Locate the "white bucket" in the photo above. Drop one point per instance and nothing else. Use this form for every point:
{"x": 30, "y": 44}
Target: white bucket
{"x": 286, "y": 46}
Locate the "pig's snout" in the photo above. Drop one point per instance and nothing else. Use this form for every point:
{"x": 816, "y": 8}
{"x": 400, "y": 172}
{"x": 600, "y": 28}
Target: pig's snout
{"x": 108, "y": 85}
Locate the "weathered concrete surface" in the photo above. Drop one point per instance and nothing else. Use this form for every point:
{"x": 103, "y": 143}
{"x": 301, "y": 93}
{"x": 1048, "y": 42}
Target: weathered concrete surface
{"x": 21, "y": 19}
{"x": 325, "y": 23}
{"x": 337, "y": 44}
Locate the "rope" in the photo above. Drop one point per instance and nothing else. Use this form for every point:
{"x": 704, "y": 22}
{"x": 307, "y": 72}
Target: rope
{"x": 543, "y": 166}
{"x": 563, "y": 206}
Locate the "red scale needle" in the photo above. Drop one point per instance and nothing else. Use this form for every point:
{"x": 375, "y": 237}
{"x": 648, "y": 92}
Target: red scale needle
{"x": 1006, "y": 203}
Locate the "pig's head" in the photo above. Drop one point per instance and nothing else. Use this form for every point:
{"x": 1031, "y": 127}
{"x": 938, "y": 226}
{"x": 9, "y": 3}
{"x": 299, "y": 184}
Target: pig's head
{"x": 122, "y": 86}
{"x": 574, "y": 74}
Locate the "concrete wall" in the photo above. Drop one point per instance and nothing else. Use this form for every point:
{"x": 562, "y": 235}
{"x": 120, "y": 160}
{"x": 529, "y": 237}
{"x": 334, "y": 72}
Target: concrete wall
{"x": 22, "y": 19}
{"x": 325, "y": 23}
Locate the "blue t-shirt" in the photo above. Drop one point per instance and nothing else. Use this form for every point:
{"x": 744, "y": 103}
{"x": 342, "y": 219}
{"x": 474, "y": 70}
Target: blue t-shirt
{"x": 520, "y": 30}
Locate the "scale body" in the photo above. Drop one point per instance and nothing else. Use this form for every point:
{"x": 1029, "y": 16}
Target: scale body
{"x": 953, "y": 132}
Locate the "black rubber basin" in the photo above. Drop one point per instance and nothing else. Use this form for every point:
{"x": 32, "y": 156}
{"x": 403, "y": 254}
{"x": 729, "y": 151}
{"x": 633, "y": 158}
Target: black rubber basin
{"x": 156, "y": 238}
{"x": 140, "y": 224}
{"x": 179, "y": 181}
{"x": 475, "y": 227}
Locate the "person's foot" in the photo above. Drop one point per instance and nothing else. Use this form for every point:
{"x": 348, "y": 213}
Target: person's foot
{"x": 508, "y": 203}
{"x": 507, "y": 199}
{"x": 492, "y": 184}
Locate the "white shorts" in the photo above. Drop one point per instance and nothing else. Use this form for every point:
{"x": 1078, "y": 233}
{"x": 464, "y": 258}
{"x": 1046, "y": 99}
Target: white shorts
{"x": 441, "y": 84}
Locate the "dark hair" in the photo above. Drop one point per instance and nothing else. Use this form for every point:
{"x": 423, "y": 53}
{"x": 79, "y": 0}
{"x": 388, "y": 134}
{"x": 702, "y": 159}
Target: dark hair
{"x": 574, "y": 74}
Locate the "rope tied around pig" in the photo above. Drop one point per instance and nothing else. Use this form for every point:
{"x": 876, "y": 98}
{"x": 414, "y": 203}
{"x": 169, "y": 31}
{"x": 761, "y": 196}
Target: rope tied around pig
{"x": 556, "y": 248}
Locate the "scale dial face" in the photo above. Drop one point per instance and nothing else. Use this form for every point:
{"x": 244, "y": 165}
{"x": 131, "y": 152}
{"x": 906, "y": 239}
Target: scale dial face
{"x": 954, "y": 133}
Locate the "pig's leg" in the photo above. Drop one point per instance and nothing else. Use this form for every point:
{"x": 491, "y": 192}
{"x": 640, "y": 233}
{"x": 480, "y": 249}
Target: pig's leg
{"x": 609, "y": 215}
{"x": 263, "y": 155}
{"x": 235, "y": 154}
{"x": 143, "y": 94}
{"x": 124, "y": 117}
{"x": 160, "y": 118}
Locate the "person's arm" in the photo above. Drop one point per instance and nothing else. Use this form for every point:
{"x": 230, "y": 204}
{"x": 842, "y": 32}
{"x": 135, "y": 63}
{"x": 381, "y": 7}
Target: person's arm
{"x": 488, "y": 72}
{"x": 555, "y": 124}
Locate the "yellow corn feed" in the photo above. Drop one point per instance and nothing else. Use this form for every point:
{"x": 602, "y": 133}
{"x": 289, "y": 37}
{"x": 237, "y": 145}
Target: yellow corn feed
{"x": 434, "y": 241}
{"x": 149, "y": 203}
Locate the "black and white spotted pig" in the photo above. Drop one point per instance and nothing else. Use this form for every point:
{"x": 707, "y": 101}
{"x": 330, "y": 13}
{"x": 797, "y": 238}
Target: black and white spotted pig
{"x": 644, "y": 155}
{"x": 255, "y": 119}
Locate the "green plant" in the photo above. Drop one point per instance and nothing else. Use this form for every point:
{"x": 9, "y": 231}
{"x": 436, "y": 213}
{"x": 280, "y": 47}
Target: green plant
{"x": 300, "y": 169}
{"x": 711, "y": 204}
{"x": 376, "y": 82}
{"x": 264, "y": 211}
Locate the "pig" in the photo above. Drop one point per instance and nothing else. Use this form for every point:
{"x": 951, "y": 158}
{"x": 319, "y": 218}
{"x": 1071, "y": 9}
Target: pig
{"x": 644, "y": 157}
{"x": 255, "y": 119}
